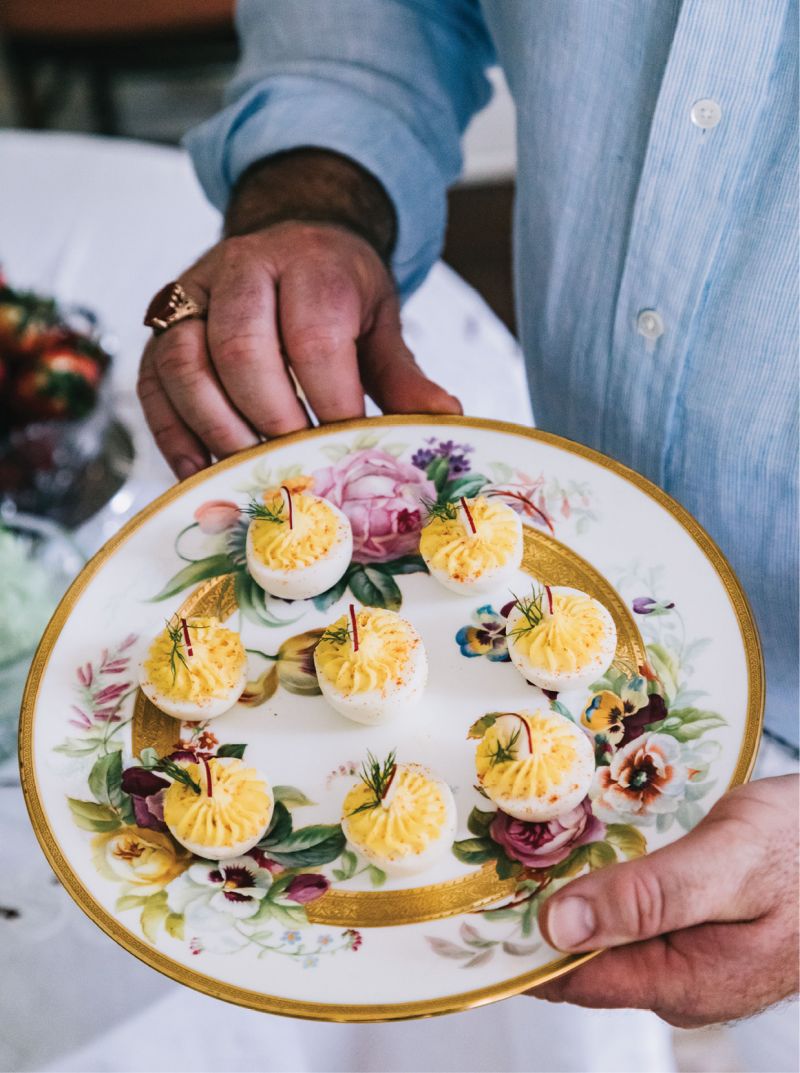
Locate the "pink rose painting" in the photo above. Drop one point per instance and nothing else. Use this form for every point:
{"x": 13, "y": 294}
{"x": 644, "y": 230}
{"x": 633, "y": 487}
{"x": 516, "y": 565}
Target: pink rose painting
{"x": 542, "y": 845}
{"x": 384, "y": 500}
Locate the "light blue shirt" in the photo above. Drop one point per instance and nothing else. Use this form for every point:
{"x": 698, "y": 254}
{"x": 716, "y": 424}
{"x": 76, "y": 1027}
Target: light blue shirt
{"x": 656, "y": 222}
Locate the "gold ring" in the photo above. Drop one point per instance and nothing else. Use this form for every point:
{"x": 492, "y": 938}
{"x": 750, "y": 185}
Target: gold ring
{"x": 170, "y": 306}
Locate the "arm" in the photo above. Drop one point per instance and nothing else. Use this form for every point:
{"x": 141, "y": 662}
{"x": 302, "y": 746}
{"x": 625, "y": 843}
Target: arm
{"x": 331, "y": 163}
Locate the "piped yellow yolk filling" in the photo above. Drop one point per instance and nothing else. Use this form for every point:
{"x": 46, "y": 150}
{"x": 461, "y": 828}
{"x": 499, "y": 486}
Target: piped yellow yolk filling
{"x": 569, "y": 639}
{"x": 412, "y": 816}
{"x": 386, "y": 643}
{"x": 239, "y": 807}
{"x": 212, "y": 670}
{"x": 553, "y": 756}
{"x": 450, "y": 545}
{"x": 314, "y": 531}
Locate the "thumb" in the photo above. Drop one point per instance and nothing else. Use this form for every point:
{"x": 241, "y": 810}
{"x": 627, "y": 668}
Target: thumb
{"x": 392, "y": 377}
{"x": 702, "y": 877}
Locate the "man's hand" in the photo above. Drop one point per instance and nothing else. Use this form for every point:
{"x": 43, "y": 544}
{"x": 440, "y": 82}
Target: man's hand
{"x": 290, "y": 300}
{"x": 704, "y": 930}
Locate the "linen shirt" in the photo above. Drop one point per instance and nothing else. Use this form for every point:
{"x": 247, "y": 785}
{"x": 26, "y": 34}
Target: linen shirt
{"x": 655, "y": 222}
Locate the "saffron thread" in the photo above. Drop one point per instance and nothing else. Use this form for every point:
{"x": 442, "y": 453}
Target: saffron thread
{"x": 469, "y": 516}
{"x": 289, "y": 503}
{"x": 354, "y": 624}
{"x": 209, "y": 787}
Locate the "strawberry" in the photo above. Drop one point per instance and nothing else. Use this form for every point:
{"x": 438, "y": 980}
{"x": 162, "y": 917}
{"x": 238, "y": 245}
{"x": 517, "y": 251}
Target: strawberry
{"x": 28, "y": 323}
{"x": 62, "y": 383}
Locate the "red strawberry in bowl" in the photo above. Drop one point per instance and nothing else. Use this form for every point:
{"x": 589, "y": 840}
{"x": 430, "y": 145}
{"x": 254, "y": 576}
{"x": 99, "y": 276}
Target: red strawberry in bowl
{"x": 28, "y": 323}
{"x": 61, "y": 383}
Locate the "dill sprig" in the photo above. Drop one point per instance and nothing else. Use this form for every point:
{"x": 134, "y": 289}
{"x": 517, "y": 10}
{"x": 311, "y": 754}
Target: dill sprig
{"x": 262, "y": 513}
{"x": 504, "y": 753}
{"x": 532, "y": 609}
{"x": 445, "y": 512}
{"x": 340, "y": 635}
{"x": 377, "y": 777}
{"x": 176, "y": 655}
{"x": 336, "y": 635}
{"x": 176, "y": 772}
{"x": 179, "y": 635}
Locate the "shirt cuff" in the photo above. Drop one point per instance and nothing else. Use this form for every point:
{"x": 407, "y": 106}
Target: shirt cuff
{"x": 290, "y": 112}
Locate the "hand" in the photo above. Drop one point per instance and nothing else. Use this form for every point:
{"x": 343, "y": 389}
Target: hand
{"x": 293, "y": 299}
{"x": 704, "y": 930}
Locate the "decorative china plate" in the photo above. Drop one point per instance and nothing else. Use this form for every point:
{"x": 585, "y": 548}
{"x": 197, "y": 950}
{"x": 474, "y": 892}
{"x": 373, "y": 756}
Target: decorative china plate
{"x": 302, "y": 925}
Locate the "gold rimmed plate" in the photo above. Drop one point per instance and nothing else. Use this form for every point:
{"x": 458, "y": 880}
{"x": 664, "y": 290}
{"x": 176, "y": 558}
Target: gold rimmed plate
{"x": 313, "y": 930}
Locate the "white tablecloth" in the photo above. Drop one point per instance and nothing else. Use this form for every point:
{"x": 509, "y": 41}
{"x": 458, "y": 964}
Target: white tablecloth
{"x": 105, "y": 223}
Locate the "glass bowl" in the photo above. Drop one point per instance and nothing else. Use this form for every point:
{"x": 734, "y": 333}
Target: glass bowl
{"x": 38, "y": 560}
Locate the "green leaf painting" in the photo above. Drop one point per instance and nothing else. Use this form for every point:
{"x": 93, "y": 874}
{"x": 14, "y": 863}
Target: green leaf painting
{"x": 192, "y": 573}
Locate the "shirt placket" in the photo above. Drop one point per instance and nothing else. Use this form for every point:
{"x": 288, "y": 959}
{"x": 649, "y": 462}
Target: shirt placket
{"x": 710, "y": 100}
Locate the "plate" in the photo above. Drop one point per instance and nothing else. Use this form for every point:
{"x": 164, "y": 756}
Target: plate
{"x": 316, "y": 932}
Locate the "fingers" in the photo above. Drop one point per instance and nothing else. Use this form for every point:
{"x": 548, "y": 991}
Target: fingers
{"x": 320, "y": 316}
{"x": 180, "y": 447}
{"x": 635, "y": 976}
{"x": 181, "y": 362}
{"x": 243, "y": 340}
{"x": 392, "y": 377}
{"x": 693, "y": 977}
{"x": 704, "y": 876}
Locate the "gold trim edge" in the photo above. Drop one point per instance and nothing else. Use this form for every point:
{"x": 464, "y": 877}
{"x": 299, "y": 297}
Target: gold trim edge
{"x": 363, "y": 1013}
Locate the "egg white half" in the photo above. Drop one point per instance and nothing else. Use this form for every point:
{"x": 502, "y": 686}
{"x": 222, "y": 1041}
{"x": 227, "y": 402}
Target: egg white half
{"x": 562, "y": 681}
{"x": 489, "y": 579}
{"x": 413, "y": 863}
{"x": 380, "y": 706}
{"x": 224, "y": 853}
{"x": 191, "y": 711}
{"x": 305, "y": 581}
{"x": 559, "y": 798}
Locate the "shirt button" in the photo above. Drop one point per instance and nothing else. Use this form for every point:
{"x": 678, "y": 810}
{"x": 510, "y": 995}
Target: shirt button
{"x": 650, "y": 324}
{"x": 706, "y": 114}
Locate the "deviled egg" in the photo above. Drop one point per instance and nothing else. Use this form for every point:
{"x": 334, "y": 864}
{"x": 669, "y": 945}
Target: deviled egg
{"x": 560, "y": 638}
{"x": 298, "y": 544}
{"x": 400, "y": 817}
{"x": 473, "y": 545}
{"x": 371, "y": 665}
{"x": 221, "y": 807}
{"x": 534, "y": 765}
{"x": 195, "y": 669}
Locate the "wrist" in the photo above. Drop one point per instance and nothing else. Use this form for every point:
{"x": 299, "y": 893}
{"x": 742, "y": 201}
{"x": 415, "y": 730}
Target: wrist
{"x": 313, "y": 186}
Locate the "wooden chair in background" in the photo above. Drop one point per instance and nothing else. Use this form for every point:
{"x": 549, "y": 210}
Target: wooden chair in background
{"x": 52, "y": 44}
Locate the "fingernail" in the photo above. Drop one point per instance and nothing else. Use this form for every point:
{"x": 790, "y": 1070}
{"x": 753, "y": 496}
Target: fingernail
{"x": 570, "y": 922}
{"x": 185, "y": 467}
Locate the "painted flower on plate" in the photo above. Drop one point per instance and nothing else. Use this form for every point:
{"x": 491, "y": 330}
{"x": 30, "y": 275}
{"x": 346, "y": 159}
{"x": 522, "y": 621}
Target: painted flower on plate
{"x": 383, "y": 498}
{"x": 306, "y": 888}
{"x": 645, "y": 778}
{"x": 638, "y": 721}
{"x": 295, "y": 663}
{"x": 542, "y": 845}
{"x": 604, "y": 715}
{"x": 215, "y": 896}
{"x": 216, "y": 515}
{"x": 455, "y": 453}
{"x": 144, "y": 860}
{"x": 486, "y": 636}
{"x": 648, "y": 605}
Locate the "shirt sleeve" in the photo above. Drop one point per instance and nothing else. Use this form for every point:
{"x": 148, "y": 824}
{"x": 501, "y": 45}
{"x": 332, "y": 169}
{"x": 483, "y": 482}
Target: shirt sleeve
{"x": 389, "y": 83}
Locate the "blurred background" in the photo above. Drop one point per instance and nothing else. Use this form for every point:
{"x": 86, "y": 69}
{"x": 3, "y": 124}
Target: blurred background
{"x": 97, "y": 224}
{"x": 152, "y": 70}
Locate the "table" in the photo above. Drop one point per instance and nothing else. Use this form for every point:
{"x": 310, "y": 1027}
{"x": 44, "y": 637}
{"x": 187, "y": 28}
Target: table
{"x": 104, "y": 223}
